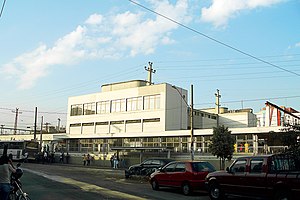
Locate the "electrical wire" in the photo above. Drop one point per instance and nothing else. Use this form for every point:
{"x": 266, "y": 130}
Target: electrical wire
{"x": 2, "y": 8}
{"x": 213, "y": 39}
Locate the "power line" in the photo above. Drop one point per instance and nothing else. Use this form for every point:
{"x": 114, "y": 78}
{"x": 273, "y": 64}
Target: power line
{"x": 2, "y": 8}
{"x": 213, "y": 39}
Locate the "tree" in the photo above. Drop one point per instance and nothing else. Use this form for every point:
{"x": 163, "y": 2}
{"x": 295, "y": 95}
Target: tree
{"x": 222, "y": 144}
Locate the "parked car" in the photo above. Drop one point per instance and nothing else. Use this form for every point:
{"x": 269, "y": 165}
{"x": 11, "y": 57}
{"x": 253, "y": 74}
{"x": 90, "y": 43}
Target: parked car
{"x": 146, "y": 167}
{"x": 274, "y": 177}
{"x": 187, "y": 175}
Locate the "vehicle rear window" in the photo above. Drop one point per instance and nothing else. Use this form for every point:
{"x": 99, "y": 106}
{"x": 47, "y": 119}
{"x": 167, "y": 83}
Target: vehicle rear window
{"x": 202, "y": 166}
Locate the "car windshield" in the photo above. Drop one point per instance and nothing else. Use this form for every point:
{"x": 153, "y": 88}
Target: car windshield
{"x": 202, "y": 166}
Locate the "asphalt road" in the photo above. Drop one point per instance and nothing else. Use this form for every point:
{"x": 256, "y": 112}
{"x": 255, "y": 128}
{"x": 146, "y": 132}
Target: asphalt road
{"x": 46, "y": 182}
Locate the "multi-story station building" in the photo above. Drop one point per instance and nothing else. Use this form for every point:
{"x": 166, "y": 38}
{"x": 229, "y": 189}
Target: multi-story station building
{"x": 136, "y": 115}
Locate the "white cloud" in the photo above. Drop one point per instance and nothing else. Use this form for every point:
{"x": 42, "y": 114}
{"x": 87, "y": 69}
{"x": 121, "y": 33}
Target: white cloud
{"x": 112, "y": 36}
{"x": 297, "y": 45}
{"x": 221, "y": 11}
{"x": 94, "y": 19}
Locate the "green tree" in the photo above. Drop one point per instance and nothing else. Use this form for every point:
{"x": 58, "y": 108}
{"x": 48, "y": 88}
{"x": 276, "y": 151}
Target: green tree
{"x": 222, "y": 144}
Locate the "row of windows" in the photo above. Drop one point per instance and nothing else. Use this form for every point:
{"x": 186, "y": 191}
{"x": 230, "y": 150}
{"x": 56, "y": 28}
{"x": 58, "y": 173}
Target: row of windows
{"x": 116, "y": 122}
{"x": 151, "y": 102}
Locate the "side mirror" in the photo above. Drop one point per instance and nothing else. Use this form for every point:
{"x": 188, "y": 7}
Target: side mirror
{"x": 228, "y": 170}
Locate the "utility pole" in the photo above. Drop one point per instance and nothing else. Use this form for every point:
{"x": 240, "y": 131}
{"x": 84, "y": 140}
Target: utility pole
{"x": 41, "y": 133}
{"x": 16, "y": 120}
{"x": 150, "y": 72}
{"x": 218, "y": 96}
{"x": 2, "y": 125}
{"x": 192, "y": 122}
{"x": 35, "y": 121}
{"x": 58, "y": 125}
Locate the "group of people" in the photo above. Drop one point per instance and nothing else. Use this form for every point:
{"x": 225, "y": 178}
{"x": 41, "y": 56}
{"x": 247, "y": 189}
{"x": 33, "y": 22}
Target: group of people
{"x": 6, "y": 168}
{"x": 115, "y": 162}
{"x": 86, "y": 159}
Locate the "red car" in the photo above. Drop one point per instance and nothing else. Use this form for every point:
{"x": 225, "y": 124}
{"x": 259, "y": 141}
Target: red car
{"x": 187, "y": 175}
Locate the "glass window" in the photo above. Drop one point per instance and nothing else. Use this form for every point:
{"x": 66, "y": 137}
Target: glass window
{"x": 170, "y": 167}
{"x": 76, "y": 109}
{"x": 118, "y": 105}
{"x": 152, "y": 102}
{"x": 256, "y": 165}
{"x": 239, "y": 166}
{"x": 180, "y": 167}
{"x": 103, "y": 107}
{"x": 203, "y": 166}
{"x": 135, "y": 103}
{"x": 89, "y": 108}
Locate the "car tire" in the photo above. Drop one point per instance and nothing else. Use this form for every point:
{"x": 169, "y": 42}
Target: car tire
{"x": 154, "y": 185}
{"x": 215, "y": 192}
{"x": 282, "y": 195}
{"x": 186, "y": 189}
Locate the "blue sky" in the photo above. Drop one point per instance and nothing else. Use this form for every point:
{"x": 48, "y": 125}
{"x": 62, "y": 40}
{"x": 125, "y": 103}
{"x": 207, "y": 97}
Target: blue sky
{"x": 51, "y": 50}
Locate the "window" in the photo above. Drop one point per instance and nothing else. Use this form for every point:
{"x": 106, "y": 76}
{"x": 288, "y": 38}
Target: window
{"x": 103, "y": 107}
{"x": 117, "y": 122}
{"x": 135, "y": 103}
{"x": 239, "y": 166}
{"x": 180, "y": 167}
{"x": 170, "y": 168}
{"x": 134, "y": 121}
{"x": 89, "y": 108}
{"x": 101, "y": 123}
{"x": 152, "y": 102}
{"x": 152, "y": 120}
{"x": 75, "y": 125}
{"x": 256, "y": 165}
{"x": 88, "y": 124}
{"x": 118, "y": 105}
{"x": 76, "y": 109}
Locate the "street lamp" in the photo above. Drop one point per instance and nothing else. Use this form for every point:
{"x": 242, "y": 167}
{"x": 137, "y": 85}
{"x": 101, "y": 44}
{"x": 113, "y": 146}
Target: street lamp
{"x": 191, "y": 118}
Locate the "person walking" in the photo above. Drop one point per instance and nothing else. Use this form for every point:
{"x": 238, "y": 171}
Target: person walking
{"x": 84, "y": 158}
{"x": 5, "y": 170}
{"x": 116, "y": 162}
{"x": 88, "y": 160}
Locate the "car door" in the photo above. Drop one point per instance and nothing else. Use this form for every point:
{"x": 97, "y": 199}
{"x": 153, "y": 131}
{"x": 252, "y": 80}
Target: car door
{"x": 166, "y": 175}
{"x": 179, "y": 175}
{"x": 234, "y": 183}
{"x": 256, "y": 178}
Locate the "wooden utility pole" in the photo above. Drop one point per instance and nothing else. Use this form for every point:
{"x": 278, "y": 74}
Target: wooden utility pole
{"x": 16, "y": 120}
{"x": 41, "y": 134}
{"x": 150, "y": 72}
{"x": 192, "y": 123}
{"x": 35, "y": 121}
{"x": 218, "y": 96}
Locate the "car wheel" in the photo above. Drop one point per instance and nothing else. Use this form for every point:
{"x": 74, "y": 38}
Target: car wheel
{"x": 186, "y": 189}
{"x": 154, "y": 185}
{"x": 282, "y": 195}
{"x": 215, "y": 192}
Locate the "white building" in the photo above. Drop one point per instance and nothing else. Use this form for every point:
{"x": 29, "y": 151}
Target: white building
{"x": 135, "y": 114}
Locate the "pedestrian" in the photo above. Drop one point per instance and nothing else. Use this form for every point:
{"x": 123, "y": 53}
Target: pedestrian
{"x": 45, "y": 158}
{"x": 112, "y": 161}
{"x": 84, "y": 158}
{"x": 67, "y": 157}
{"x": 116, "y": 162}
{"x": 88, "y": 159}
{"x": 5, "y": 170}
{"x": 61, "y": 157}
{"x": 25, "y": 157}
